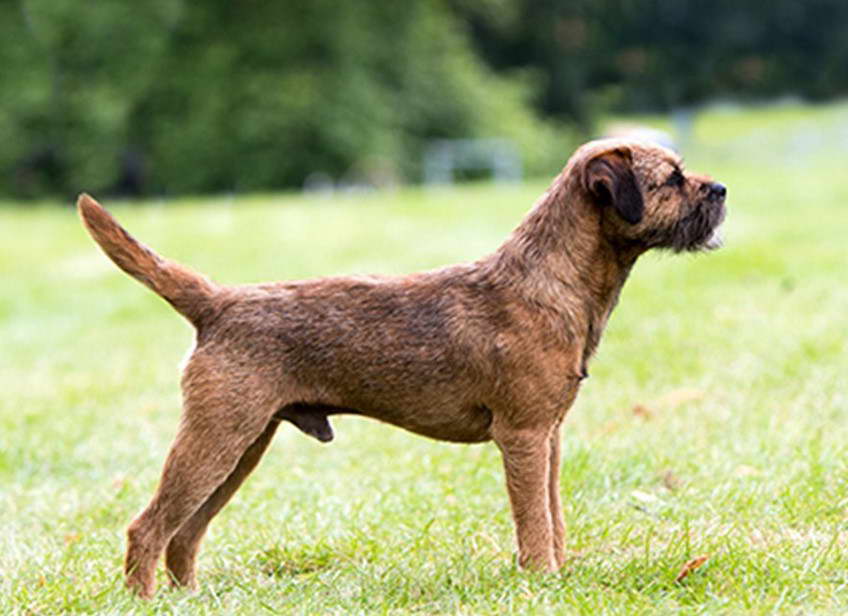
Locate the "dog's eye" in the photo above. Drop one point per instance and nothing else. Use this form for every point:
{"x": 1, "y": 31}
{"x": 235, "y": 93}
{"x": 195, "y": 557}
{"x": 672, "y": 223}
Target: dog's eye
{"x": 676, "y": 179}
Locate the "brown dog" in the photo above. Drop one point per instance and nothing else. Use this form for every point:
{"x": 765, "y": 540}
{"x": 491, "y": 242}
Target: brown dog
{"x": 490, "y": 350}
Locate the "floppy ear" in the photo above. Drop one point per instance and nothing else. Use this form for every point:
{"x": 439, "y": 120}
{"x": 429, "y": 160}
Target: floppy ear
{"x": 610, "y": 180}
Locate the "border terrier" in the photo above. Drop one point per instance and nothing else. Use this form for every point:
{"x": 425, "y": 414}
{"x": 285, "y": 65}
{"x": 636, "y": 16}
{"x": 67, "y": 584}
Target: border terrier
{"x": 490, "y": 350}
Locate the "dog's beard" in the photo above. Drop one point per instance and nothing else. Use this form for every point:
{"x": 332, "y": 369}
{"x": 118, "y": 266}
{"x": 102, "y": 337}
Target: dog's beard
{"x": 699, "y": 230}
{"x": 715, "y": 241}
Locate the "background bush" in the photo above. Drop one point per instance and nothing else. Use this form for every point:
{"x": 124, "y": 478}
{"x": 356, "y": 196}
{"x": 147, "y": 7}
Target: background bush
{"x": 171, "y": 96}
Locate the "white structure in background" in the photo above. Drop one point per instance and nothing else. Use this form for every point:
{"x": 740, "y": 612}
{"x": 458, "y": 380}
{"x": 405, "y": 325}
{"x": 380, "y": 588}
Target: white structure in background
{"x": 319, "y": 183}
{"x": 638, "y": 132}
{"x": 364, "y": 176}
{"x": 444, "y": 157}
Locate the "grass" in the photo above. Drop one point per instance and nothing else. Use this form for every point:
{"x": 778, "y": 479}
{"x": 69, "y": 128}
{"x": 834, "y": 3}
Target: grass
{"x": 715, "y": 421}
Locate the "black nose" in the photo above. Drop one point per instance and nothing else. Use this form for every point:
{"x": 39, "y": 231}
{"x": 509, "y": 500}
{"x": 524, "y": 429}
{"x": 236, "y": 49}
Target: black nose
{"x": 717, "y": 191}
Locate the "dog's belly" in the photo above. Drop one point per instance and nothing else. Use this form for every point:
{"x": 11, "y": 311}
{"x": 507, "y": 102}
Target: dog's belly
{"x": 459, "y": 425}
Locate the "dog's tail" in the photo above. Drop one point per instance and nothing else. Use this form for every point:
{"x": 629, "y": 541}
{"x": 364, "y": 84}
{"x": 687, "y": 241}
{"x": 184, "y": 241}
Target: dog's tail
{"x": 187, "y": 291}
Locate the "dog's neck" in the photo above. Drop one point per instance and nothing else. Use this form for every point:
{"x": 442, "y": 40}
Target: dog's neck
{"x": 560, "y": 261}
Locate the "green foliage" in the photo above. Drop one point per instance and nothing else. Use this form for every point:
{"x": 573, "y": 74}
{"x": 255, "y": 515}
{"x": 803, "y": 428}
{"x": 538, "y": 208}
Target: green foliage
{"x": 172, "y": 96}
{"x": 638, "y": 55}
{"x": 72, "y": 73}
{"x": 175, "y": 96}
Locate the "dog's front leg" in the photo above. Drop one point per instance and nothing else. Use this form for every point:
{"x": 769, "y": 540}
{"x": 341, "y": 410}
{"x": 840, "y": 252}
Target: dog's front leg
{"x": 527, "y": 457}
{"x": 557, "y": 522}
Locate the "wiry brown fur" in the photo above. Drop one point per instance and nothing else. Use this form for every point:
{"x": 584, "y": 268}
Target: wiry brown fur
{"x": 490, "y": 350}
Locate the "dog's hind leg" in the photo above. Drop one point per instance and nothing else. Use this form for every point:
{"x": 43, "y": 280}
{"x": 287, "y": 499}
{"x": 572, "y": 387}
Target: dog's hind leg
{"x": 182, "y": 549}
{"x": 225, "y": 412}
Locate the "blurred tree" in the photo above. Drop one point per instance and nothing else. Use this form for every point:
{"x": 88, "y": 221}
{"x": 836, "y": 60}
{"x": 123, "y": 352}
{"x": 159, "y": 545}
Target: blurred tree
{"x": 175, "y": 96}
{"x": 71, "y": 73}
{"x": 638, "y": 55}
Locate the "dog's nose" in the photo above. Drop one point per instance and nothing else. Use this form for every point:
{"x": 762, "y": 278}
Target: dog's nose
{"x": 717, "y": 191}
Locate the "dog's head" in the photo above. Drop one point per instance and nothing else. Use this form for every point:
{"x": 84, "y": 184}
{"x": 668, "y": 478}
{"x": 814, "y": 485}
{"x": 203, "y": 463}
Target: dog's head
{"x": 646, "y": 198}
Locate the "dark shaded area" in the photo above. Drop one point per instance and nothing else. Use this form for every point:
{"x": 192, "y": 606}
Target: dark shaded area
{"x": 650, "y": 55}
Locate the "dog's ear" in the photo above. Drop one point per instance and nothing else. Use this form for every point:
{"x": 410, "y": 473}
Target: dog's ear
{"x": 609, "y": 179}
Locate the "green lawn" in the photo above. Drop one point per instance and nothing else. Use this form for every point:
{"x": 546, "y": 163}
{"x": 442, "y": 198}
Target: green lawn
{"x": 715, "y": 422}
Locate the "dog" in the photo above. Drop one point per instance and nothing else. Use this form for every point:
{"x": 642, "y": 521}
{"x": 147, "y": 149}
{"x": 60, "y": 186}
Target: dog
{"x": 493, "y": 350}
